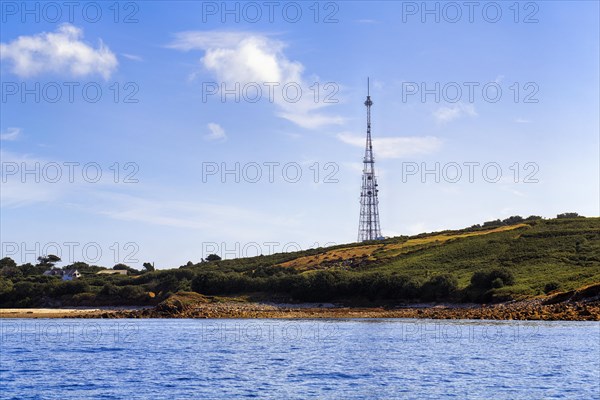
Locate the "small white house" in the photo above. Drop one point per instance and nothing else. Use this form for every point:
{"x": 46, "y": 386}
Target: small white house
{"x": 70, "y": 275}
{"x": 54, "y": 272}
{"x": 67, "y": 275}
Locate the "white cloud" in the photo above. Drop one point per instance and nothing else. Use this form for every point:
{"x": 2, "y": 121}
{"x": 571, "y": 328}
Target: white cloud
{"x": 447, "y": 114}
{"x": 10, "y": 134}
{"x": 201, "y": 40}
{"x": 132, "y": 57}
{"x": 305, "y": 119}
{"x": 239, "y": 222}
{"x": 245, "y": 57}
{"x": 216, "y": 132}
{"x": 59, "y": 52}
{"x": 19, "y": 189}
{"x": 48, "y": 181}
{"x": 515, "y": 192}
{"x": 395, "y": 147}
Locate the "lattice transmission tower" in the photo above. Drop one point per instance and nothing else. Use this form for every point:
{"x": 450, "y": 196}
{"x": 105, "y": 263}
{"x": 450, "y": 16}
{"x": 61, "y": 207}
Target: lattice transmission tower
{"x": 368, "y": 225}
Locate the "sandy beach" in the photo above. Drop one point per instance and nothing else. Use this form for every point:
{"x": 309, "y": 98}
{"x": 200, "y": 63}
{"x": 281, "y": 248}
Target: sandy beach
{"x": 62, "y": 312}
{"x": 45, "y": 312}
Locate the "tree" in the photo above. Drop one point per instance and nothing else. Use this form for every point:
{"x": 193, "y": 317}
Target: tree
{"x": 505, "y": 275}
{"x": 109, "y": 290}
{"x": 568, "y": 215}
{"x": 490, "y": 224}
{"x": 148, "y": 267}
{"x": 6, "y": 286}
{"x": 168, "y": 283}
{"x": 515, "y": 219}
{"x": 132, "y": 293}
{"x": 48, "y": 260}
{"x": 497, "y": 283}
{"x": 121, "y": 266}
{"x": 7, "y": 262}
{"x": 29, "y": 269}
{"x": 533, "y": 218}
{"x": 439, "y": 287}
{"x": 213, "y": 257}
{"x": 12, "y": 272}
{"x": 495, "y": 278}
{"x": 80, "y": 265}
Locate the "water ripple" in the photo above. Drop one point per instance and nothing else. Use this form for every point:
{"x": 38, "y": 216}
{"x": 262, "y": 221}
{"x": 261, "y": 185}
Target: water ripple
{"x": 380, "y": 359}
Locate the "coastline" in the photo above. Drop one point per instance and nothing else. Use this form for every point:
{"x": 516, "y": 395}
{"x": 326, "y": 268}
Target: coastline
{"x": 518, "y": 310}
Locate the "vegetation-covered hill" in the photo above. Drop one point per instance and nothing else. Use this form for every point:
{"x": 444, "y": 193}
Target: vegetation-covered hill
{"x": 501, "y": 260}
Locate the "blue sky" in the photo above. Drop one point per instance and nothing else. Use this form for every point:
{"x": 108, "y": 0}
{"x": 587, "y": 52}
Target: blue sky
{"x": 545, "y": 123}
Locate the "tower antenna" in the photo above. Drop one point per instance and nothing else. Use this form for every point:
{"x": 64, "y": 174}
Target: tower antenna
{"x": 368, "y": 224}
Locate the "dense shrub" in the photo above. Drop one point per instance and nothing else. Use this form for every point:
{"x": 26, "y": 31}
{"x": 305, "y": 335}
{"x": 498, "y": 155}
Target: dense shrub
{"x": 70, "y": 288}
{"x": 440, "y": 287}
{"x": 515, "y": 219}
{"x": 220, "y": 283}
{"x": 568, "y": 215}
{"x": 109, "y": 290}
{"x": 495, "y": 278}
{"x": 487, "y": 286}
{"x": 551, "y": 286}
{"x": 497, "y": 283}
{"x": 132, "y": 293}
{"x": 6, "y": 286}
{"x": 83, "y": 299}
{"x": 316, "y": 286}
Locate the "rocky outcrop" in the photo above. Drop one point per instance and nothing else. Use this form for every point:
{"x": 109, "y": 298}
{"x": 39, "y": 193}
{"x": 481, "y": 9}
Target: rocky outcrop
{"x": 576, "y": 305}
{"x": 518, "y": 310}
{"x": 586, "y": 294}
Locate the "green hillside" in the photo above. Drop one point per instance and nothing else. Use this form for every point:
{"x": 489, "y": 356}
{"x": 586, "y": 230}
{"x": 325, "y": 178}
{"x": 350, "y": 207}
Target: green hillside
{"x": 497, "y": 262}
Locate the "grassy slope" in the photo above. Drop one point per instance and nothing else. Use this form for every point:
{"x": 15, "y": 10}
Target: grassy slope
{"x": 545, "y": 252}
{"x": 537, "y": 253}
{"x": 563, "y": 251}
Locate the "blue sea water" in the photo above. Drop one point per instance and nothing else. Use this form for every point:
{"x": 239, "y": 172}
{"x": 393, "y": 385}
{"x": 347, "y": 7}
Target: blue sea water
{"x": 288, "y": 359}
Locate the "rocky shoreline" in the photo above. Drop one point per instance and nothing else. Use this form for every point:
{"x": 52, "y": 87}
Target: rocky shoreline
{"x": 578, "y": 305}
{"x": 522, "y": 310}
